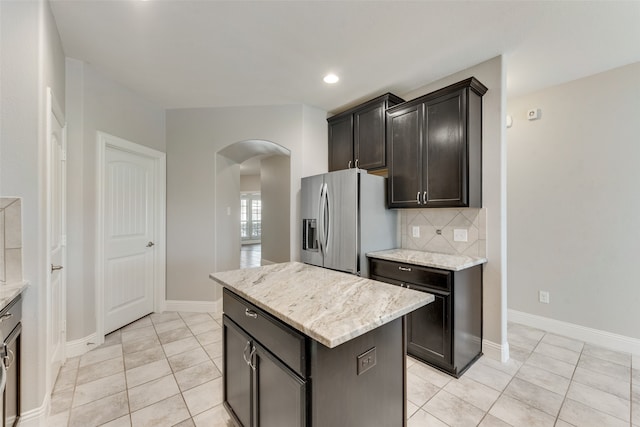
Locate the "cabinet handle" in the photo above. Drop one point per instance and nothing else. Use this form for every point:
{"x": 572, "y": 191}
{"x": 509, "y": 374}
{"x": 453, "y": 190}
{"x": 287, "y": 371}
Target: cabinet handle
{"x": 244, "y": 352}
{"x": 250, "y": 313}
{"x": 9, "y": 358}
{"x": 250, "y": 363}
{"x": 418, "y": 198}
{"x": 349, "y": 165}
{"x": 357, "y": 166}
{"x": 408, "y": 287}
{"x": 401, "y": 268}
{"x": 6, "y": 316}
{"x": 424, "y": 198}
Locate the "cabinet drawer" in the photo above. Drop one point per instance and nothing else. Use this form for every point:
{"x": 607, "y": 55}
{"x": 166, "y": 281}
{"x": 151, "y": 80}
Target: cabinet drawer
{"x": 430, "y": 277}
{"x": 283, "y": 341}
{"x": 10, "y": 316}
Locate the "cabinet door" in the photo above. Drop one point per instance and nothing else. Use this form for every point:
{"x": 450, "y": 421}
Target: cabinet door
{"x": 445, "y": 151}
{"x": 236, "y": 372}
{"x": 369, "y": 137}
{"x": 404, "y": 128}
{"x": 12, "y": 390}
{"x": 280, "y": 393}
{"x": 429, "y": 331}
{"x": 340, "y": 142}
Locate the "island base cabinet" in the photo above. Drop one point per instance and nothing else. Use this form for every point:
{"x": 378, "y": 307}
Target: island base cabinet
{"x": 237, "y": 374}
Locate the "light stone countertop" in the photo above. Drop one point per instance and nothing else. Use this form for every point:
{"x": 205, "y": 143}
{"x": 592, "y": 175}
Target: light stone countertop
{"x": 326, "y": 305}
{"x": 9, "y": 292}
{"x": 429, "y": 259}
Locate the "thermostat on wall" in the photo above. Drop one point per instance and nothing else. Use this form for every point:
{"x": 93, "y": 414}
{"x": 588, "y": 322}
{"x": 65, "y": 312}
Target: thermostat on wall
{"x": 533, "y": 114}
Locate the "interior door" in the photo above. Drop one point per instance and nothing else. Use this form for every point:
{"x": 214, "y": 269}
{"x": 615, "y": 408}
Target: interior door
{"x": 128, "y": 237}
{"x": 56, "y": 224}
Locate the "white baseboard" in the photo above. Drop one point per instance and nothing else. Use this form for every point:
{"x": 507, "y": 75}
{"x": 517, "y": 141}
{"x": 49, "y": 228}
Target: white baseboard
{"x": 582, "y": 333}
{"x": 495, "y": 351}
{"x": 81, "y": 346}
{"x": 36, "y": 417}
{"x": 194, "y": 306}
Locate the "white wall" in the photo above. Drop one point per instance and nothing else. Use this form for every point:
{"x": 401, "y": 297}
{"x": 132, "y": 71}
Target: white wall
{"x": 574, "y": 201}
{"x": 193, "y": 138}
{"x": 31, "y": 60}
{"x": 250, "y": 183}
{"x": 276, "y": 197}
{"x": 492, "y": 74}
{"x": 95, "y": 103}
{"x": 227, "y": 223}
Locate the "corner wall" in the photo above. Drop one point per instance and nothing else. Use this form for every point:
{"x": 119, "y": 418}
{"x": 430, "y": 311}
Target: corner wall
{"x": 574, "y": 201}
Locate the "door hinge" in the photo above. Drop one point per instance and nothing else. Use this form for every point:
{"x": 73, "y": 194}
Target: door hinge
{"x": 63, "y": 155}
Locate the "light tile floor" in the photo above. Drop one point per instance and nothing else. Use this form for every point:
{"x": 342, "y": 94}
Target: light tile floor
{"x": 164, "y": 370}
{"x": 250, "y": 255}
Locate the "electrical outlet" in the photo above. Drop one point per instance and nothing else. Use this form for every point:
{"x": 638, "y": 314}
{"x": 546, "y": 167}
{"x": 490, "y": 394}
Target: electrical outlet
{"x": 415, "y": 231}
{"x": 366, "y": 361}
{"x": 460, "y": 235}
{"x": 543, "y": 297}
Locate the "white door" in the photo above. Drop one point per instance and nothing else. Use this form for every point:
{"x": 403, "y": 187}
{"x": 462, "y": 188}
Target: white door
{"x": 129, "y": 180}
{"x": 56, "y": 237}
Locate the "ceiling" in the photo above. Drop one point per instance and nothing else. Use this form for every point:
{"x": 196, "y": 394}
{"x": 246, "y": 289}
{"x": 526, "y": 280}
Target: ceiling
{"x": 182, "y": 54}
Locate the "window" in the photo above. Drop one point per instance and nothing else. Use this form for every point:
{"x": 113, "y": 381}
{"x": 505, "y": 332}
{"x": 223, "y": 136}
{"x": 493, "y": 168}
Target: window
{"x": 250, "y": 216}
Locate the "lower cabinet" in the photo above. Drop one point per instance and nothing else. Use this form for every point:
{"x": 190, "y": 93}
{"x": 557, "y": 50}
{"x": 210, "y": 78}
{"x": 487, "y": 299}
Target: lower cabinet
{"x": 11, "y": 330}
{"x": 429, "y": 330}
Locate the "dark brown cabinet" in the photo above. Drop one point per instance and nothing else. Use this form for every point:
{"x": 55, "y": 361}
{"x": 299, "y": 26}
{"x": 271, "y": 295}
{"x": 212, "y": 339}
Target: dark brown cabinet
{"x": 448, "y": 332}
{"x": 435, "y": 148}
{"x": 11, "y": 330}
{"x": 357, "y": 137}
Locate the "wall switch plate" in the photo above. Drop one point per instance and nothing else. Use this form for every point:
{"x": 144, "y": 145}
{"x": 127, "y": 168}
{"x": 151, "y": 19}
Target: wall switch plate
{"x": 366, "y": 361}
{"x": 415, "y": 231}
{"x": 543, "y": 297}
{"x": 460, "y": 235}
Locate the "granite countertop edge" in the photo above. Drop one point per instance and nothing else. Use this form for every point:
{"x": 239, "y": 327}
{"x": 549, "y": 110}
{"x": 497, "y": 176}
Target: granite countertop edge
{"x": 356, "y": 325}
{"x": 429, "y": 259}
{"x": 9, "y": 292}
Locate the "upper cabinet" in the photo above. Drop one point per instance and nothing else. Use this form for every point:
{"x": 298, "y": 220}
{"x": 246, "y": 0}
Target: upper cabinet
{"x": 435, "y": 148}
{"x": 357, "y": 137}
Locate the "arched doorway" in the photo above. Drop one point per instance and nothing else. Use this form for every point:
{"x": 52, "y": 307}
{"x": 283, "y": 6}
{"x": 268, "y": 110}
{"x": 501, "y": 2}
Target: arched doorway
{"x": 275, "y": 190}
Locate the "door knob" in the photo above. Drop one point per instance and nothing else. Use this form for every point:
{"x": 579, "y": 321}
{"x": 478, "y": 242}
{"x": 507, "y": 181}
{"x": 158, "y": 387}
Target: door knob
{"x": 150, "y": 244}
{"x": 56, "y": 267}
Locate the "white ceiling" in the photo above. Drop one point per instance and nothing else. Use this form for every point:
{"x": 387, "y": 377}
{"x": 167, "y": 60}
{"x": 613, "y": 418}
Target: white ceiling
{"x": 180, "y": 53}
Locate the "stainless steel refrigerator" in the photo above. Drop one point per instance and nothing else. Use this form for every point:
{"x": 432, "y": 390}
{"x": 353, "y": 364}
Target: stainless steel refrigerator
{"x": 344, "y": 216}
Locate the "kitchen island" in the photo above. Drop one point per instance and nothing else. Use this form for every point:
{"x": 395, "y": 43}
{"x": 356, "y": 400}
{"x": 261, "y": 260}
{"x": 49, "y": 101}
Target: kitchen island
{"x": 307, "y": 346}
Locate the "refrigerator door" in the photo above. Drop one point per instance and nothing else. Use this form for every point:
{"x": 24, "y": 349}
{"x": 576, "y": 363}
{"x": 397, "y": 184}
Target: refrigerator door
{"x": 341, "y": 245}
{"x": 310, "y": 192}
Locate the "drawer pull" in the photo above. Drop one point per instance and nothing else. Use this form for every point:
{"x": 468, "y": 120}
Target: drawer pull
{"x": 6, "y": 316}
{"x": 9, "y": 358}
{"x": 401, "y": 268}
{"x": 250, "y": 313}
{"x": 408, "y": 287}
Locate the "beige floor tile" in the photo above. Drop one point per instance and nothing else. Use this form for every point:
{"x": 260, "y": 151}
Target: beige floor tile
{"x": 488, "y": 376}
{"x": 544, "y": 379}
{"x": 527, "y": 332}
{"x": 71, "y": 364}
{"x": 208, "y": 326}
{"x": 209, "y": 337}
{"x": 560, "y": 423}
{"x": 214, "y": 350}
{"x": 113, "y": 338}
{"x": 133, "y": 360}
{"x": 583, "y": 415}
{"x": 174, "y": 335}
{"x": 491, "y": 421}
{"x": 518, "y": 353}
{"x": 140, "y": 323}
{"x": 620, "y": 358}
{"x": 100, "y": 354}
{"x": 219, "y": 364}
{"x": 196, "y": 375}
{"x": 422, "y": 418}
{"x": 204, "y": 396}
{"x": 166, "y": 316}
{"x": 214, "y": 417}
{"x": 453, "y": 410}
{"x": 635, "y": 406}
{"x": 95, "y": 390}
{"x": 419, "y": 390}
{"x": 563, "y": 342}
{"x": 559, "y": 353}
{"x": 171, "y": 324}
{"x": 430, "y": 374}
{"x": 141, "y": 344}
{"x": 550, "y": 364}
{"x": 411, "y": 409}
{"x": 120, "y": 422}
{"x": 61, "y": 401}
{"x": 509, "y": 367}
{"x": 138, "y": 334}
{"x": 152, "y": 392}
{"x": 536, "y": 396}
{"x": 602, "y": 382}
{"x": 194, "y": 318}
{"x": 58, "y": 420}
{"x": 100, "y": 370}
{"x": 410, "y": 361}
{"x": 518, "y": 413}
{"x": 522, "y": 341}
{"x": 186, "y": 423}
{"x": 479, "y": 395}
{"x": 165, "y": 413}
{"x": 100, "y": 411}
{"x": 148, "y": 372}
{"x": 180, "y": 346}
{"x": 600, "y": 401}
{"x": 187, "y": 359}
{"x": 623, "y": 373}
{"x": 66, "y": 380}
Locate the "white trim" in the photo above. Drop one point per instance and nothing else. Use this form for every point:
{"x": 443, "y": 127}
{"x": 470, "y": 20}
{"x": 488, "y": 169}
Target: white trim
{"x": 594, "y": 336}
{"x": 81, "y": 346}
{"x": 36, "y": 417}
{"x": 194, "y": 306}
{"x": 105, "y": 140}
{"x": 495, "y": 351}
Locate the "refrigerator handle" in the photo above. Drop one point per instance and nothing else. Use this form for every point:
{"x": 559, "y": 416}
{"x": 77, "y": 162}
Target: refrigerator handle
{"x": 321, "y": 219}
{"x": 327, "y": 231}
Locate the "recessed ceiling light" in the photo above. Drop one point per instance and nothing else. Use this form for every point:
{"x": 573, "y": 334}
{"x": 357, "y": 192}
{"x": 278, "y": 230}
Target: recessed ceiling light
{"x": 331, "y": 78}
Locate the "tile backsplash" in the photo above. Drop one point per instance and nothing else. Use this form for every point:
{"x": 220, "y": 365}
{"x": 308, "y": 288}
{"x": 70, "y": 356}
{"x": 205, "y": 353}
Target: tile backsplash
{"x": 10, "y": 240}
{"x": 436, "y": 230}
